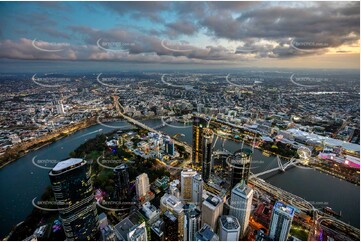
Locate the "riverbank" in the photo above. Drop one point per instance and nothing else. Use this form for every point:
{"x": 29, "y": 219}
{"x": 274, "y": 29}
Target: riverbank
{"x": 20, "y": 150}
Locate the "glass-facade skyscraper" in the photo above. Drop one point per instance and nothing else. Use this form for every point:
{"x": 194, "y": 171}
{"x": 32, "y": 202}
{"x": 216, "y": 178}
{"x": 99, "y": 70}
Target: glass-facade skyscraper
{"x": 281, "y": 221}
{"x": 74, "y": 195}
{"x": 240, "y": 163}
{"x": 121, "y": 182}
{"x": 197, "y": 139}
{"x": 206, "y": 153}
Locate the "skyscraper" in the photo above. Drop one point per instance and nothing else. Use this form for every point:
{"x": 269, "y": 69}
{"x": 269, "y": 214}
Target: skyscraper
{"x": 173, "y": 204}
{"x": 192, "y": 221}
{"x": 206, "y": 233}
{"x": 281, "y": 221}
{"x": 240, "y": 163}
{"x": 207, "y": 153}
{"x": 229, "y": 228}
{"x": 187, "y": 183}
{"x": 169, "y": 147}
{"x": 197, "y": 139}
{"x": 121, "y": 182}
{"x": 73, "y": 192}
{"x": 197, "y": 189}
{"x": 241, "y": 205}
{"x": 170, "y": 225}
{"x": 142, "y": 185}
{"x": 212, "y": 208}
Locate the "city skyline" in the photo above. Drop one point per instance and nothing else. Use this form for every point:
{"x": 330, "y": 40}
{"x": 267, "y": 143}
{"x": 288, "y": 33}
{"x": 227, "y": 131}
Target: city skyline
{"x": 180, "y": 121}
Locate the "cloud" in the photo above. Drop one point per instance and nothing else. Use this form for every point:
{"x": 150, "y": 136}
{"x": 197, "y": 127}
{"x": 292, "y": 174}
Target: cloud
{"x": 151, "y": 52}
{"x": 256, "y": 29}
{"x": 180, "y": 27}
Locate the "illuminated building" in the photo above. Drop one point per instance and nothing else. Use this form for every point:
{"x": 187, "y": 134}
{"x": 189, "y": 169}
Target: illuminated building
{"x": 121, "y": 182}
{"x": 169, "y": 147}
{"x": 170, "y": 225}
{"x": 212, "y": 208}
{"x": 206, "y": 153}
{"x": 241, "y": 205}
{"x": 192, "y": 221}
{"x": 74, "y": 195}
{"x": 240, "y": 163}
{"x": 187, "y": 184}
{"x": 229, "y": 228}
{"x": 197, "y": 189}
{"x": 281, "y": 221}
{"x": 142, "y": 185}
{"x": 197, "y": 144}
{"x": 174, "y": 205}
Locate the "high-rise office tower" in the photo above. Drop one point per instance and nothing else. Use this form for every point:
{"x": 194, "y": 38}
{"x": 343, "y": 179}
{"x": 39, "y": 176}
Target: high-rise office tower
{"x": 170, "y": 225}
{"x": 212, "y": 208}
{"x": 174, "y": 205}
{"x": 157, "y": 230}
{"x": 192, "y": 221}
{"x": 281, "y": 221}
{"x": 206, "y": 233}
{"x": 241, "y": 205}
{"x": 73, "y": 192}
{"x": 186, "y": 184}
{"x": 229, "y": 228}
{"x": 197, "y": 139}
{"x": 121, "y": 182}
{"x": 169, "y": 147}
{"x": 207, "y": 153}
{"x": 240, "y": 163}
{"x": 138, "y": 233}
{"x": 142, "y": 185}
{"x": 197, "y": 190}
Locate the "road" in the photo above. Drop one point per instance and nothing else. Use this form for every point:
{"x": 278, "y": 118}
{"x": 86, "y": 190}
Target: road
{"x": 130, "y": 120}
{"x": 305, "y": 206}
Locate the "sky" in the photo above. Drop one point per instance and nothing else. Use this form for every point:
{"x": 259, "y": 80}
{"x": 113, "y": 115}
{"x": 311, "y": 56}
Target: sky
{"x": 176, "y": 35}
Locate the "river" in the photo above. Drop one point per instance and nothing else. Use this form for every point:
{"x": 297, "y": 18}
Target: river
{"x": 21, "y": 181}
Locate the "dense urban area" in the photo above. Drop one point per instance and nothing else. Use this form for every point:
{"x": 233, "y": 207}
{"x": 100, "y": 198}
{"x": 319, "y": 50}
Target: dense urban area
{"x": 140, "y": 183}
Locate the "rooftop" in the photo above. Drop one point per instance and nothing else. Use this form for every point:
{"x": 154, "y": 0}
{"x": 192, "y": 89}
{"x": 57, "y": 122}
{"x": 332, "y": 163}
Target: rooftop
{"x": 229, "y": 222}
{"x": 62, "y": 165}
{"x": 285, "y": 208}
